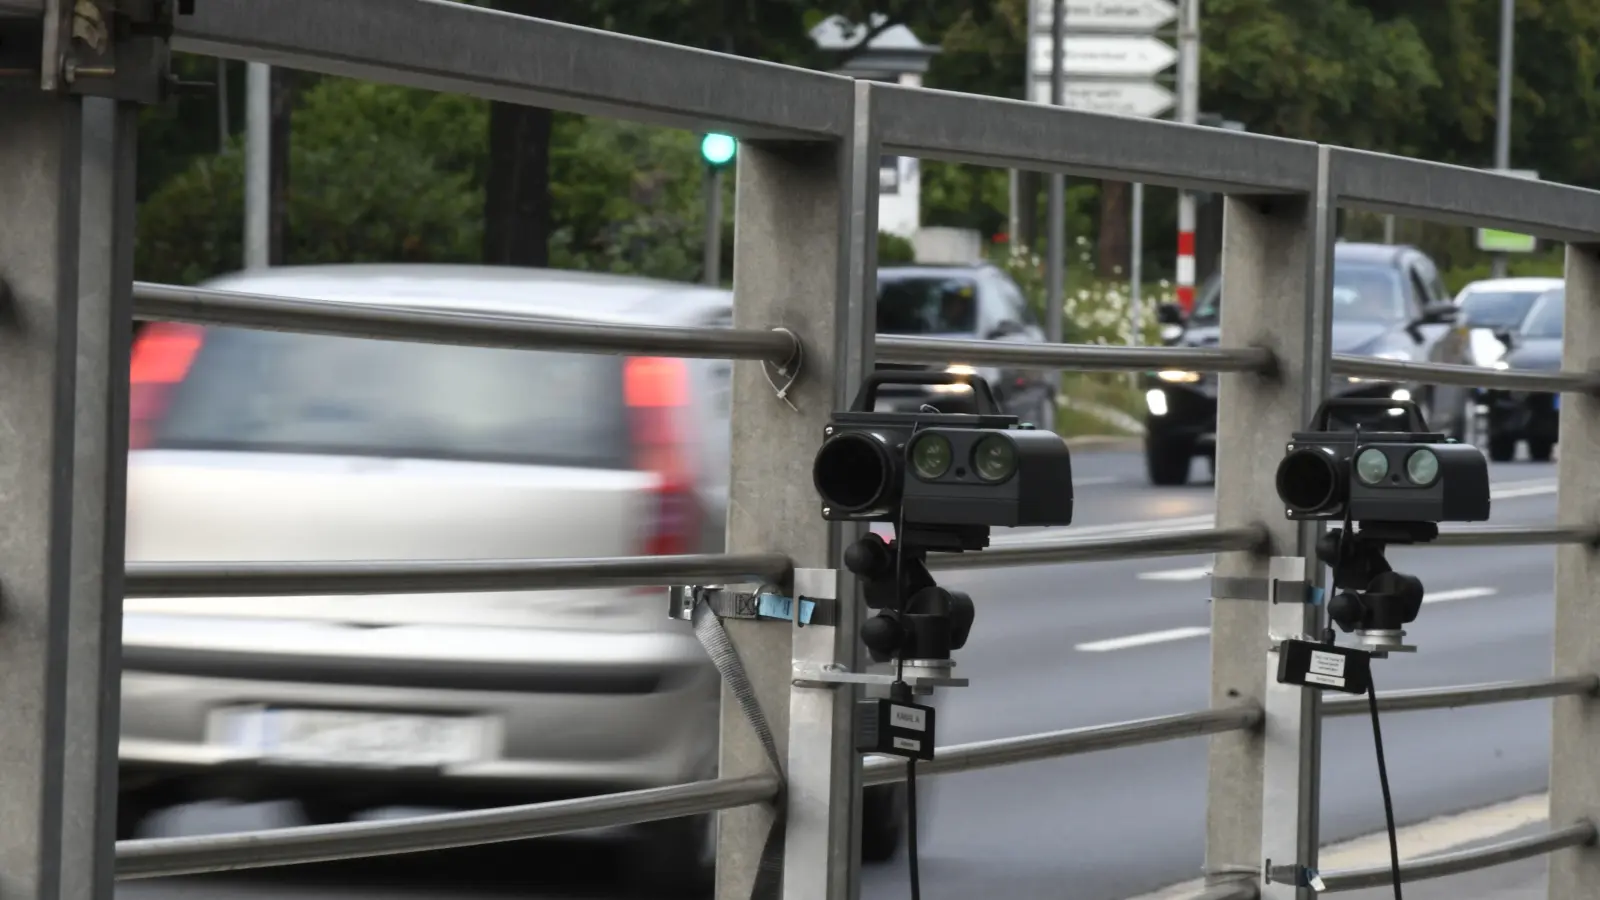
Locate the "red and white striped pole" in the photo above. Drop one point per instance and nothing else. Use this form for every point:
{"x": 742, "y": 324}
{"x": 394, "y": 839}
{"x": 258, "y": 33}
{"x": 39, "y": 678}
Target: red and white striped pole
{"x": 1186, "y": 252}
{"x": 1189, "y": 114}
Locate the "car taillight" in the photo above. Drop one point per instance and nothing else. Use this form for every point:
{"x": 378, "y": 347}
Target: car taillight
{"x": 162, "y": 355}
{"x": 656, "y": 390}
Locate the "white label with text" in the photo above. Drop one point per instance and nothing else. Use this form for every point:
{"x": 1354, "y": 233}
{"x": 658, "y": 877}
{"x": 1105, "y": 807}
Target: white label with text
{"x": 914, "y": 746}
{"x": 1327, "y": 664}
{"x": 1330, "y": 680}
{"x": 906, "y": 717}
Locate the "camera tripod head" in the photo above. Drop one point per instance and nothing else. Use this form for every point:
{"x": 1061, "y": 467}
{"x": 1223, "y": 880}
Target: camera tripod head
{"x": 918, "y": 622}
{"x": 1371, "y": 599}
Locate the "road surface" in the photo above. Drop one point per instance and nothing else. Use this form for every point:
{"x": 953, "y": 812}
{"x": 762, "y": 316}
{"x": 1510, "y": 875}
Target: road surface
{"x": 1066, "y": 646}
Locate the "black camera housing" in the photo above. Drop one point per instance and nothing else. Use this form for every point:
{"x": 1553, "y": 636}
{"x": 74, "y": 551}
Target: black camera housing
{"x": 1318, "y": 477}
{"x": 864, "y": 470}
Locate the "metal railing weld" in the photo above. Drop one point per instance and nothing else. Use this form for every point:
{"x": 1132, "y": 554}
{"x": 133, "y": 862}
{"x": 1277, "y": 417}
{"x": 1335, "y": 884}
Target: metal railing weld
{"x": 162, "y": 857}
{"x": 1373, "y": 369}
{"x": 1077, "y": 357}
{"x": 288, "y": 579}
{"x": 1466, "y": 695}
{"x": 1169, "y": 542}
{"x": 1516, "y": 536}
{"x": 1071, "y": 742}
{"x": 432, "y": 325}
{"x": 1444, "y": 864}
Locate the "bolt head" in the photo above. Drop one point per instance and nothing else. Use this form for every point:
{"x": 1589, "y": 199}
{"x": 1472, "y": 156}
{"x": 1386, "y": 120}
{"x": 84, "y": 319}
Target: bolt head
{"x": 827, "y": 511}
{"x": 828, "y": 430}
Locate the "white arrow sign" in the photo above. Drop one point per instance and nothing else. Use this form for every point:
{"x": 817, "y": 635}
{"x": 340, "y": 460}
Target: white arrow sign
{"x": 1109, "y": 15}
{"x": 1108, "y": 56}
{"x": 1117, "y": 98}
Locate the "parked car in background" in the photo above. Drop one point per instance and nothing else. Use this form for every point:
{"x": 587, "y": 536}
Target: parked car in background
{"x": 1388, "y": 302}
{"x": 1517, "y": 416}
{"x": 978, "y": 302}
{"x": 261, "y": 445}
{"x": 1497, "y": 305}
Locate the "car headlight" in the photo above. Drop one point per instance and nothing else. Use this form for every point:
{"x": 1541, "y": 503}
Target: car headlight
{"x": 1396, "y": 355}
{"x": 1501, "y": 364}
{"x": 1175, "y": 376}
{"x": 955, "y": 369}
{"x": 1171, "y": 332}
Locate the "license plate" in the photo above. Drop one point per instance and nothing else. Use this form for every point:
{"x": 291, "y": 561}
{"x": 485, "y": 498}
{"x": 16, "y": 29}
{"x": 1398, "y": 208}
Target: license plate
{"x": 337, "y": 737}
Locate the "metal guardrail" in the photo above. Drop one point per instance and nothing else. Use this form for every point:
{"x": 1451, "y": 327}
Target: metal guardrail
{"x": 1578, "y": 834}
{"x": 286, "y": 579}
{"x": 160, "y": 857}
{"x": 803, "y": 265}
{"x": 1466, "y": 695}
{"x": 202, "y": 306}
{"x": 1071, "y": 742}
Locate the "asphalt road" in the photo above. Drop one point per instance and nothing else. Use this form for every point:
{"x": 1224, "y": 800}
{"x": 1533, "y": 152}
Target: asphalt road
{"x": 1059, "y": 647}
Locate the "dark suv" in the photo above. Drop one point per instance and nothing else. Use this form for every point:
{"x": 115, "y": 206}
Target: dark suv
{"x": 1534, "y": 345}
{"x": 978, "y": 302}
{"x": 1388, "y": 302}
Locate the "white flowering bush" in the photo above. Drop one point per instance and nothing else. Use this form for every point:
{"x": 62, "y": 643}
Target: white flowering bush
{"x": 1093, "y": 311}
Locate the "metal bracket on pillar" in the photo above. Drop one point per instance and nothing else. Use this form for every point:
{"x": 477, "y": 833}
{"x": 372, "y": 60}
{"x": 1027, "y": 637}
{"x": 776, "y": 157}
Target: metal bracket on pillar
{"x": 117, "y": 49}
{"x": 756, "y": 604}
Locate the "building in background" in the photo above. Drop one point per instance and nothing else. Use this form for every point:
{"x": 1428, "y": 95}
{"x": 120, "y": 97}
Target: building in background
{"x": 894, "y": 55}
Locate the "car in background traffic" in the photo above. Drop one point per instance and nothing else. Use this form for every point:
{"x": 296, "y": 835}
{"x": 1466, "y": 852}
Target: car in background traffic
{"x": 1497, "y": 305}
{"x": 975, "y": 302}
{"x": 1388, "y": 302}
{"x": 1534, "y": 344}
{"x": 265, "y": 445}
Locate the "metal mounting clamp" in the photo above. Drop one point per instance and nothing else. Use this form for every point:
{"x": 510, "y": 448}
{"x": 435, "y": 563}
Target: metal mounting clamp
{"x": 729, "y": 604}
{"x": 1284, "y": 583}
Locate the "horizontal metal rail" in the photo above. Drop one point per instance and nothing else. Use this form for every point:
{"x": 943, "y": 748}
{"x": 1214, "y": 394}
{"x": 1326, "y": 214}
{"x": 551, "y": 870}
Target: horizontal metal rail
{"x": 1080, "y": 357}
{"x": 1516, "y": 536}
{"x": 1444, "y": 864}
{"x": 1375, "y": 369}
{"x": 1477, "y": 198}
{"x": 999, "y": 133}
{"x": 1071, "y": 742}
{"x": 1466, "y": 695}
{"x": 527, "y": 61}
{"x": 201, "y": 306}
{"x": 1237, "y": 890}
{"x": 288, "y": 579}
{"x": 161, "y": 857}
{"x": 1173, "y": 542}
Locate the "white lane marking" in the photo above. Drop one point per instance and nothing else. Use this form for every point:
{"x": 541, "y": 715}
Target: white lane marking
{"x": 1471, "y": 593}
{"x": 1509, "y": 491}
{"x": 1194, "y": 574}
{"x": 1141, "y": 640}
{"x": 1096, "y": 481}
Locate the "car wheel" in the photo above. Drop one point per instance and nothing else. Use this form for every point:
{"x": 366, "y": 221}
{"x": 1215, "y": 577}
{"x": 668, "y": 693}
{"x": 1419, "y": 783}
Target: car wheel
{"x": 1541, "y": 449}
{"x": 1167, "y": 460}
{"x": 1502, "y": 447}
{"x": 674, "y": 858}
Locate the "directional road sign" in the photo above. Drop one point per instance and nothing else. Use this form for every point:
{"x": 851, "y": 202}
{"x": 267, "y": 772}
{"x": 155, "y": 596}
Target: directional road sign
{"x": 1127, "y": 16}
{"x": 1105, "y": 56}
{"x": 1118, "y": 98}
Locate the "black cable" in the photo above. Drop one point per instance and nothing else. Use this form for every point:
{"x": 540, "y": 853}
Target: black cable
{"x": 1383, "y": 781}
{"x": 911, "y": 828}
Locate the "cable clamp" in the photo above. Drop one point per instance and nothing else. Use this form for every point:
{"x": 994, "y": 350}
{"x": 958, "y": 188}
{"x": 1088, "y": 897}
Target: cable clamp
{"x": 1296, "y": 875}
{"x": 758, "y": 604}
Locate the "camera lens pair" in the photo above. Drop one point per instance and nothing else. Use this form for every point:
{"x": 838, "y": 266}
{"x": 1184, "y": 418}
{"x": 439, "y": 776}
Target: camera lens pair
{"x": 994, "y": 459}
{"x": 1421, "y": 466}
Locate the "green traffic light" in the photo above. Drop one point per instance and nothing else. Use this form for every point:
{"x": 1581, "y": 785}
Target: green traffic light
{"x": 718, "y": 149}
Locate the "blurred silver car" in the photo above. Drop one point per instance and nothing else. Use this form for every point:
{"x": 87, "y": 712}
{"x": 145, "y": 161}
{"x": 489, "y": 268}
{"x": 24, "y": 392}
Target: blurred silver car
{"x": 259, "y": 445}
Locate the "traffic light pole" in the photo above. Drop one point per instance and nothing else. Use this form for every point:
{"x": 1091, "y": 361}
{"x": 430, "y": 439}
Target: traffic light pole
{"x": 712, "y": 266}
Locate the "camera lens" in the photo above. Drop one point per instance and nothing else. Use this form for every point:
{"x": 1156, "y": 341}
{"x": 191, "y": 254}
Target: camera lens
{"x": 1422, "y": 467}
{"x": 995, "y": 458}
{"x": 1372, "y": 466}
{"x": 852, "y": 472}
{"x": 1309, "y": 481}
{"x": 930, "y": 456}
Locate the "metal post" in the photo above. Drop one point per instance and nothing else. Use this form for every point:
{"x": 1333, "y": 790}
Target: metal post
{"x": 1502, "y": 107}
{"x": 804, "y": 259}
{"x": 1262, "y": 790}
{"x": 39, "y": 215}
{"x": 712, "y": 263}
{"x": 1056, "y": 254}
{"x": 224, "y": 119}
{"x": 1575, "y": 740}
{"x": 258, "y": 166}
{"x": 1136, "y": 267}
{"x": 1188, "y": 114}
{"x": 105, "y": 326}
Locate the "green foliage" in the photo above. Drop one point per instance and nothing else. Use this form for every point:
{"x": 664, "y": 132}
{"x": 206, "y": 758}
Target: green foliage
{"x": 380, "y": 174}
{"x": 894, "y": 250}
